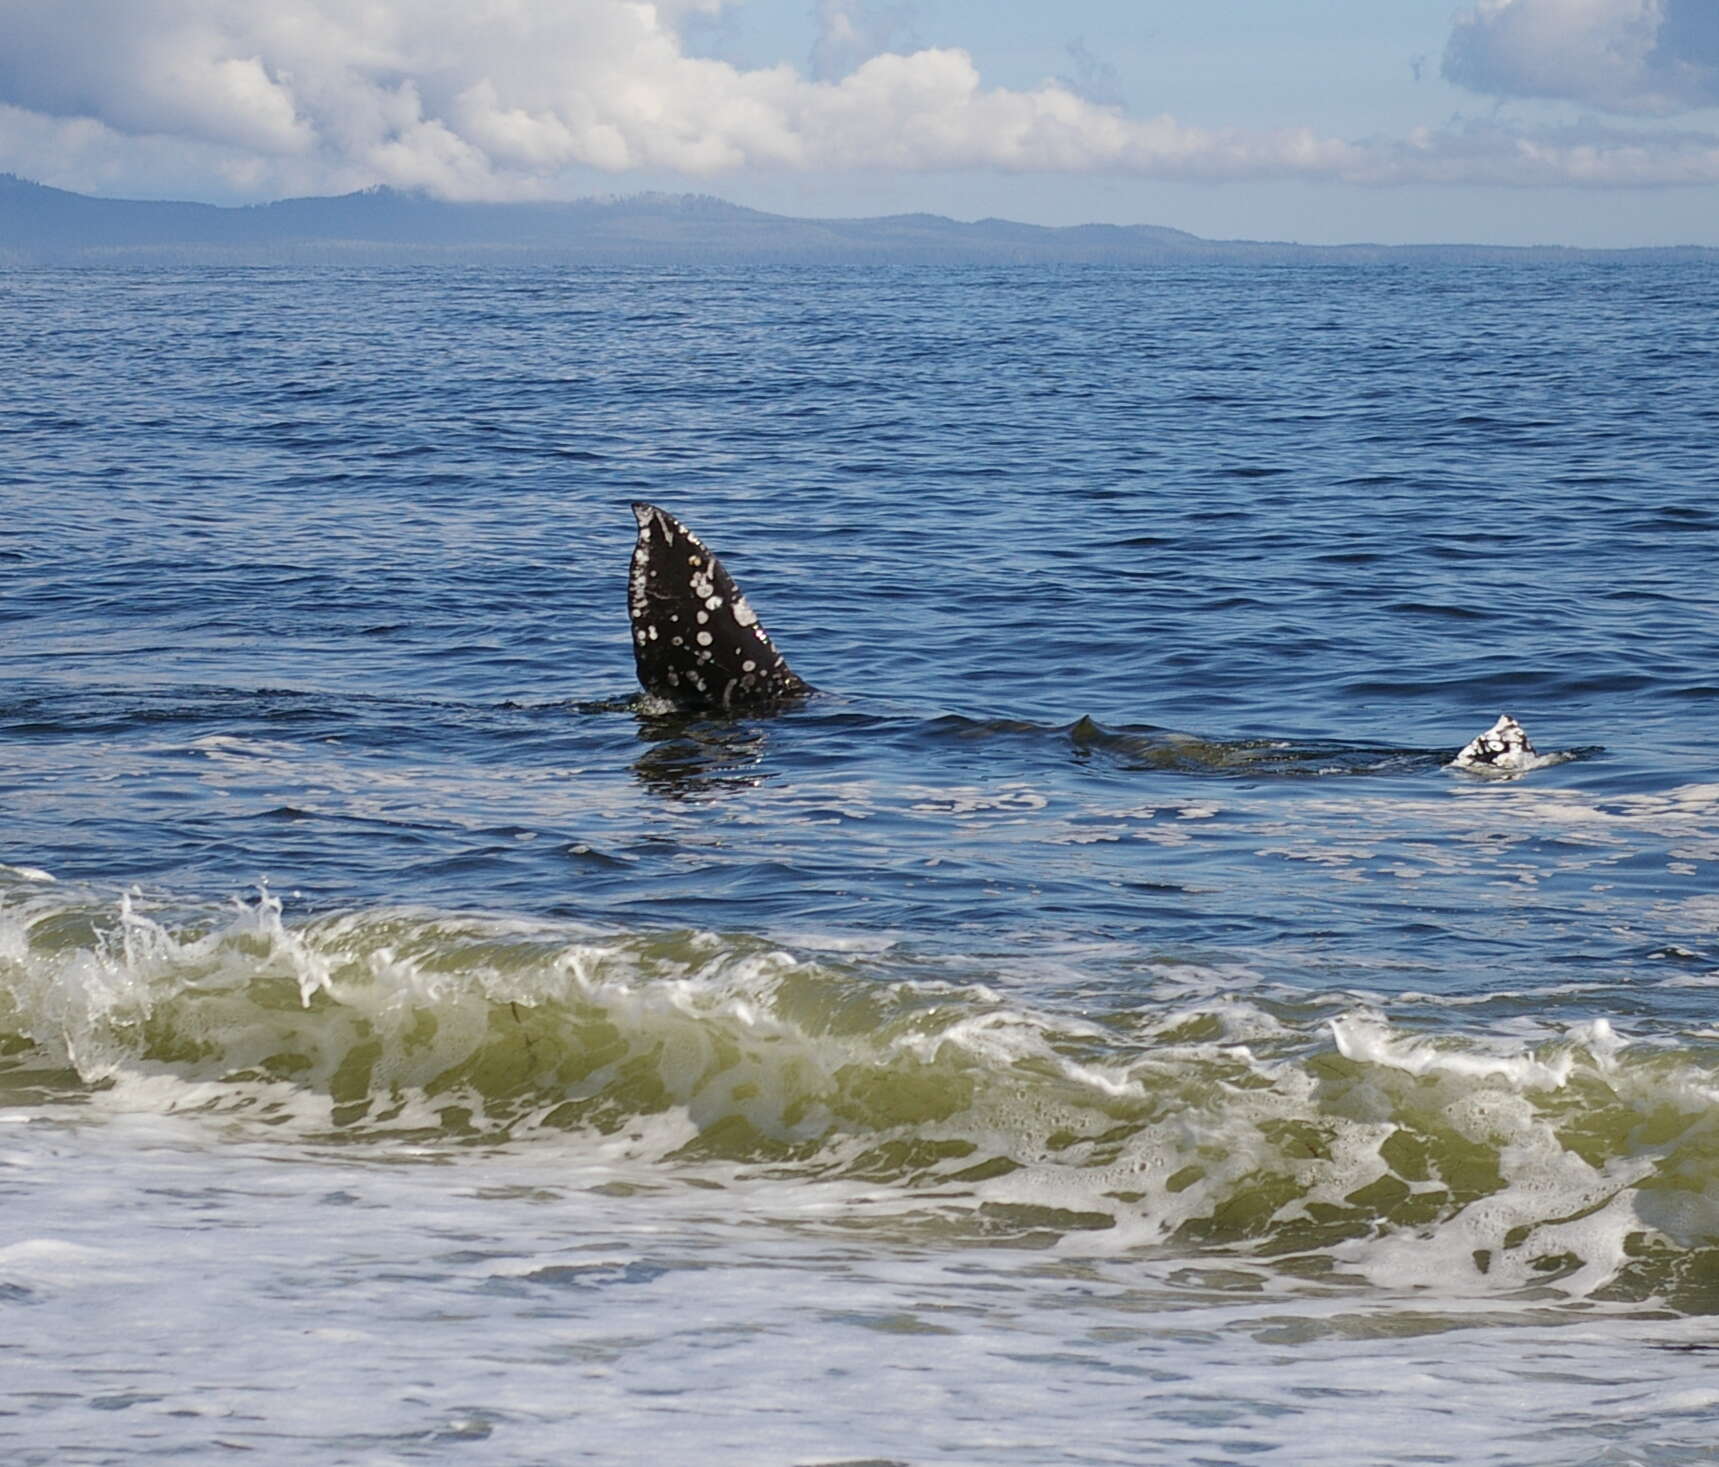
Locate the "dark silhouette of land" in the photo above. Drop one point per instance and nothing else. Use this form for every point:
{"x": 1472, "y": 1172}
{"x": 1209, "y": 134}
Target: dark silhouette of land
{"x": 49, "y": 226}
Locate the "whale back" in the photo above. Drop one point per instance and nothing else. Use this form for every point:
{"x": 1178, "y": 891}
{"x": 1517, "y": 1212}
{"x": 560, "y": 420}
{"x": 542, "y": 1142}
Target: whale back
{"x": 696, "y": 640}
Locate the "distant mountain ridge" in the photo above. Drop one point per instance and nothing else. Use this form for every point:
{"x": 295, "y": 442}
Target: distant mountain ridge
{"x": 43, "y": 225}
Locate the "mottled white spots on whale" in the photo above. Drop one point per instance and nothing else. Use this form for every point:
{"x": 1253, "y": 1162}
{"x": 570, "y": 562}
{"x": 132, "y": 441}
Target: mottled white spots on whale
{"x": 1503, "y": 748}
{"x": 677, "y": 583}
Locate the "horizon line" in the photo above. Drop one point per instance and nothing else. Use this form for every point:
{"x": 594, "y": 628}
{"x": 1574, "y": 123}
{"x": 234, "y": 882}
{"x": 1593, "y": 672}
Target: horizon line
{"x": 612, "y": 199}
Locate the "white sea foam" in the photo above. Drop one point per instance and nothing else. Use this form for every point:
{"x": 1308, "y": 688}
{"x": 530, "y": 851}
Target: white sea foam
{"x": 1368, "y": 1039}
{"x": 1202, "y": 1118}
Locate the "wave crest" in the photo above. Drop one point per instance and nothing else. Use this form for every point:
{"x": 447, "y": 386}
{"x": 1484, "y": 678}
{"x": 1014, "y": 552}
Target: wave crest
{"x": 1320, "y": 1143}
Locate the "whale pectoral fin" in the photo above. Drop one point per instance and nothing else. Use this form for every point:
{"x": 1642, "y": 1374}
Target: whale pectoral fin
{"x": 1504, "y": 746}
{"x": 696, "y": 641}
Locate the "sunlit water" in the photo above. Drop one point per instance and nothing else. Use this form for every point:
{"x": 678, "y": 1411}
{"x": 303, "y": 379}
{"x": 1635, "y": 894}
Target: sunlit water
{"x": 1096, "y": 1027}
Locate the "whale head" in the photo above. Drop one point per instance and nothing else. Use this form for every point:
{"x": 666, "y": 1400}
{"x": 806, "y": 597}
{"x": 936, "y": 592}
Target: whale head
{"x": 696, "y": 640}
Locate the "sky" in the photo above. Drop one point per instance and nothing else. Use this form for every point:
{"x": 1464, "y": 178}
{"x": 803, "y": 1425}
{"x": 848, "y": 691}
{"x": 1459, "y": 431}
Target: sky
{"x": 1587, "y": 122}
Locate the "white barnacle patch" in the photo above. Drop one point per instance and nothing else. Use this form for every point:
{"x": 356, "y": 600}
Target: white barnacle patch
{"x": 1503, "y": 747}
{"x": 679, "y": 594}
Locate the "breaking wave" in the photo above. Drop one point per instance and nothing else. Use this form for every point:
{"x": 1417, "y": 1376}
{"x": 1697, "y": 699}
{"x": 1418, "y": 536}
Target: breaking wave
{"x": 1313, "y": 1140}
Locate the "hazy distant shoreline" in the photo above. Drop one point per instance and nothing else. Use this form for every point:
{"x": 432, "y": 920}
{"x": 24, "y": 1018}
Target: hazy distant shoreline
{"x": 48, "y": 226}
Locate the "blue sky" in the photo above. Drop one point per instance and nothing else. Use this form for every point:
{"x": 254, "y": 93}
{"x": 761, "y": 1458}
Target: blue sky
{"x": 1509, "y": 121}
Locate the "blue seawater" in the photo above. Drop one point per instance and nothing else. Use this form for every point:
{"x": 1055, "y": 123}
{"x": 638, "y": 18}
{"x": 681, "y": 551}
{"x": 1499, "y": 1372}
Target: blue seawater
{"x": 1096, "y": 1027}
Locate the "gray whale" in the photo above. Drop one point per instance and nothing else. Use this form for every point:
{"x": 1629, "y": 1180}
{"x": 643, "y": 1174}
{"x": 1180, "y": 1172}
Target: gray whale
{"x": 699, "y": 645}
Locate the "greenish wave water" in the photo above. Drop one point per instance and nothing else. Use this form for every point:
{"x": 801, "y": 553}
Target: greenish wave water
{"x": 1303, "y": 1133}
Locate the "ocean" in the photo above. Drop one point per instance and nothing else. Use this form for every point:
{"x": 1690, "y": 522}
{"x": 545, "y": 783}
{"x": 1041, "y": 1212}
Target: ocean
{"x": 1097, "y": 1026}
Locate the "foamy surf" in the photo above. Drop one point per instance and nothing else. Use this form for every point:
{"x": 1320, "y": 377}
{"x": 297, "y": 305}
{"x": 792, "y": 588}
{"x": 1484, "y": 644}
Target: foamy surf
{"x": 1460, "y": 1161}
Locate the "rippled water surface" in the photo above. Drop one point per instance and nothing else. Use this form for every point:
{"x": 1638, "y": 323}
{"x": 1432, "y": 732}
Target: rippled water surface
{"x": 1095, "y": 1027}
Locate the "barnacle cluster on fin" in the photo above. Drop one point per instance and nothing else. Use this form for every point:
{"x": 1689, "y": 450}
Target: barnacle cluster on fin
{"x": 696, "y": 641}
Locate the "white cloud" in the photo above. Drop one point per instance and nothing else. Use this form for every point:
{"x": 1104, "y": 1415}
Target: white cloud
{"x": 515, "y": 98}
{"x": 1652, "y": 57}
{"x": 1581, "y": 155}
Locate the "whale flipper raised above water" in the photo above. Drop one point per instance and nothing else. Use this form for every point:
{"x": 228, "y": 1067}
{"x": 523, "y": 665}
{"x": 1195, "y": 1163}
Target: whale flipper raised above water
{"x": 1503, "y": 747}
{"x": 696, "y": 641}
